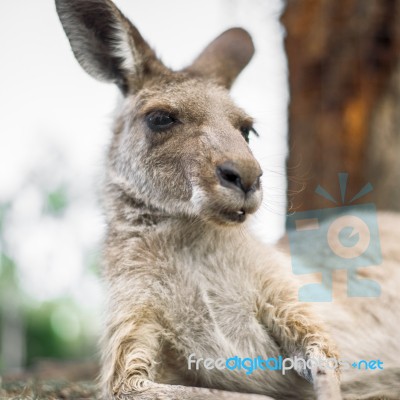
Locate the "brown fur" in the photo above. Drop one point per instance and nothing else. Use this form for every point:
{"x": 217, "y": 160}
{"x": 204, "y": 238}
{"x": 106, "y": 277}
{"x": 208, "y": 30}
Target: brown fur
{"x": 183, "y": 273}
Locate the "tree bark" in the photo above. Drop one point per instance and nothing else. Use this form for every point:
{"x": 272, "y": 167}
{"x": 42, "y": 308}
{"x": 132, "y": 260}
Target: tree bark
{"x": 344, "y": 113}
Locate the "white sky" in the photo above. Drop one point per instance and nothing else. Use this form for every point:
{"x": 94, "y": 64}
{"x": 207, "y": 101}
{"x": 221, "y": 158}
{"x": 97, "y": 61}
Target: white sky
{"x": 55, "y": 119}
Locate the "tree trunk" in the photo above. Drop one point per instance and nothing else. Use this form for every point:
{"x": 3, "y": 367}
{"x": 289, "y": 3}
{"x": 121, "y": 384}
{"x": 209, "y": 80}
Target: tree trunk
{"x": 344, "y": 114}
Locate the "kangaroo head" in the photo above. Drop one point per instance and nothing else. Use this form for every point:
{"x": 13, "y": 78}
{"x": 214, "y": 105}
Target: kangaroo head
{"x": 180, "y": 143}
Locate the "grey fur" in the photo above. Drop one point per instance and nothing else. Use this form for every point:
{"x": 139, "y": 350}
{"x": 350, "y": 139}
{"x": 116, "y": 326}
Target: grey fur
{"x": 183, "y": 276}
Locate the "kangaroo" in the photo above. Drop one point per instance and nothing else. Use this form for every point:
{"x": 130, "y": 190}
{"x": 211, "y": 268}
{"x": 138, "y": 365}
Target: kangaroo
{"x": 186, "y": 280}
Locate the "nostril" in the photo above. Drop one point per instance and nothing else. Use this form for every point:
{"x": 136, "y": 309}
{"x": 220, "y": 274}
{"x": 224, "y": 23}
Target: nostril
{"x": 229, "y": 177}
{"x": 247, "y": 180}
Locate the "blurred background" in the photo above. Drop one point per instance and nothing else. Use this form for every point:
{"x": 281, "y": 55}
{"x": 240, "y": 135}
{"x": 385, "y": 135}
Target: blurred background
{"x": 54, "y": 130}
{"x": 323, "y": 87}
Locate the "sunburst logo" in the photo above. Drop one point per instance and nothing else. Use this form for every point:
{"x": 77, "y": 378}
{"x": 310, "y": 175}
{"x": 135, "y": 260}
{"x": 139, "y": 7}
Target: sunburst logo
{"x": 343, "y": 178}
{"x": 341, "y": 237}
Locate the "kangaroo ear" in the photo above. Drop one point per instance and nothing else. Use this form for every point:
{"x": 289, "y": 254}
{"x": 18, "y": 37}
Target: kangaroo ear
{"x": 106, "y": 44}
{"x": 225, "y": 57}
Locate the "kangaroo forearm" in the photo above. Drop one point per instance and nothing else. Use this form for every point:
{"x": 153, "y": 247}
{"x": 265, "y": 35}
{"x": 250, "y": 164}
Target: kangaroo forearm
{"x": 294, "y": 327}
{"x": 130, "y": 350}
{"x": 292, "y": 324}
{"x": 156, "y": 391}
{"x": 299, "y": 333}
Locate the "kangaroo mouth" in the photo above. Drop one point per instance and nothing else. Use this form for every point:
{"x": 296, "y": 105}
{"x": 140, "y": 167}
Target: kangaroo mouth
{"x": 232, "y": 210}
{"x": 235, "y": 216}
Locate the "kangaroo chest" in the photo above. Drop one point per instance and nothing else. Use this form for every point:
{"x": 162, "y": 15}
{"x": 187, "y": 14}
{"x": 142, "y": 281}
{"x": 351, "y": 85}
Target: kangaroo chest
{"x": 211, "y": 304}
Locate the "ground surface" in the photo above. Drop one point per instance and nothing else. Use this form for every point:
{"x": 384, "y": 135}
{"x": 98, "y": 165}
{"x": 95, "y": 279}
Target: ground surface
{"x": 47, "y": 390}
{"x": 51, "y": 380}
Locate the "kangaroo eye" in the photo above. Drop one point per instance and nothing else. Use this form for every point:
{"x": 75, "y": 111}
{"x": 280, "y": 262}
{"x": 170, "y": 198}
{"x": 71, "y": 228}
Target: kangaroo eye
{"x": 246, "y": 130}
{"x": 159, "y": 121}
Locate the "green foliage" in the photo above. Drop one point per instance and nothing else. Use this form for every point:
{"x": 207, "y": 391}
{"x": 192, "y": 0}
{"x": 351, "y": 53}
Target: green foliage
{"x": 7, "y": 271}
{"x": 57, "y": 201}
{"x": 55, "y": 329}
{"x": 44, "y": 339}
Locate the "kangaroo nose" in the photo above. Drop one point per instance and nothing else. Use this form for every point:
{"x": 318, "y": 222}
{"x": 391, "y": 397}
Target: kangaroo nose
{"x": 244, "y": 179}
